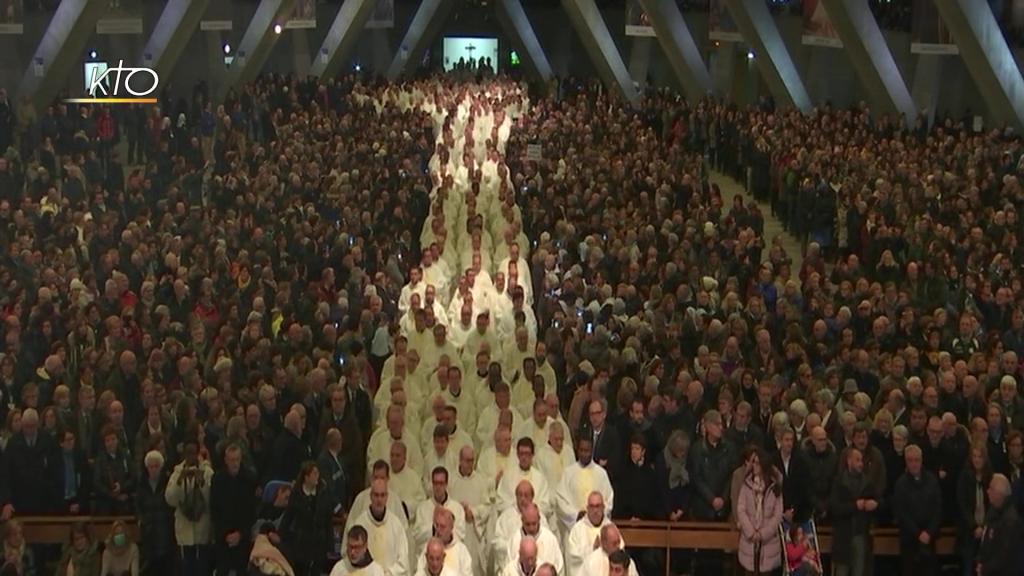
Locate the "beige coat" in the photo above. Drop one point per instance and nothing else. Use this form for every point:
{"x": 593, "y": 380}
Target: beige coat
{"x": 187, "y": 532}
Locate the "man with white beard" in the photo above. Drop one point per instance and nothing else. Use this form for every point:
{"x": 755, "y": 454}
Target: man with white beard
{"x": 549, "y": 551}
{"x": 474, "y": 492}
{"x": 578, "y": 481}
{"x": 439, "y": 498}
{"x": 610, "y": 544}
{"x": 457, "y": 558}
{"x": 387, "y": 541}
{"x": 524, "y": 469}
{"x": 382, "y": 439}
{"x": 584, "y": 536}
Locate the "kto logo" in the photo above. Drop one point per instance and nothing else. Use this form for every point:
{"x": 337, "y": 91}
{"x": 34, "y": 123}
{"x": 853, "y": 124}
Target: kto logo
{"x": 119, "y": 85}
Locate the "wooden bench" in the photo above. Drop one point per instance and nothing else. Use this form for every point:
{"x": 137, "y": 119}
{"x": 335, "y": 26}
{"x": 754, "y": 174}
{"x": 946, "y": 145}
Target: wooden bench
{"x": 637, "y": 533}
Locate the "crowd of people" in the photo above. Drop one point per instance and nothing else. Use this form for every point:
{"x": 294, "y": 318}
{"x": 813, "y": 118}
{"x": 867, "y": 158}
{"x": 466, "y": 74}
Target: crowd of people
{"x": 445, "y": 327}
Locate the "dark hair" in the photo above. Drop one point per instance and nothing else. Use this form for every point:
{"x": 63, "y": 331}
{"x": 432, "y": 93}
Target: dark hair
{"x": 639, "y": 440}
{"x": 381, "y": 465}
{"x": 619, "y": 558}
{"x": 526, "y": 443}
{"x": 439, "y": 470}
{"x": 357, "y": 532}
{"x": 305, "y": 470}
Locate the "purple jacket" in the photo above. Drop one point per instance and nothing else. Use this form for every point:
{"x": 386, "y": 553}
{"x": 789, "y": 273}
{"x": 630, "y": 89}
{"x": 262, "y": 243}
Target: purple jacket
{"x": 768, "y": 528}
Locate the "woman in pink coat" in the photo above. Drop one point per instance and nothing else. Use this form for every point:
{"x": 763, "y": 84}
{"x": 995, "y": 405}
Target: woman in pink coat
{"x": 759, "y": 513}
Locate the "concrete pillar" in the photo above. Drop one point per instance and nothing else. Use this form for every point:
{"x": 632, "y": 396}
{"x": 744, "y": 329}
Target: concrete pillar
{"x": 517, "y": 25}
{"x": 257, "y": 42}
{"x": 987, "y": 57}
{"x": 342, "y": 37}
{"x": 772, "y": 57}
{"x": 721, "y": 63}
{"x": 171, "y": 34}
{"x": 593, "y": 32}
{"x": 425, "y": 25}
{"x": 60, "y": 50}
{"x": 867, "y": 50}
{"x": 927, "y": 78}
{"x": 679, "y": 47}
{"x": 300, "y": 52}
{"x": 640, "y": 58}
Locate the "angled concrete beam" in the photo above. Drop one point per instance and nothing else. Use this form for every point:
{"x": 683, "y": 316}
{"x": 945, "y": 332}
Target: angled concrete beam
{"x": 640, "y": 58}
{"x": 772, "y": 58}
{"x": 177, "y": 23}
{"x": 257, "y": 42}
{"x": 60, "y": 50}
{"x": 987, "y": 57}
{"x": 341, "y": 38}
{"x": 592, "y": 30}
{"x": 425, "y": 25}
{"x": 870, "y": 56}
{"x": 517, "y": 26}
{"x": 678, "y": 45}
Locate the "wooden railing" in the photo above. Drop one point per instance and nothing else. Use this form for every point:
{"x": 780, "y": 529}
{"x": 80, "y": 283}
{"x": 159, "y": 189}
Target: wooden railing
{"x": 724, "y": 537}
{"x": 637, "y": 533}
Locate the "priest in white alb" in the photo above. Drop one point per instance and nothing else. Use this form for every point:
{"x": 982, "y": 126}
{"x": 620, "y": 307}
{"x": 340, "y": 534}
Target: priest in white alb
{"x": 578, "y": 481}
{"x": 387, "y": 540}
{"x": 585, "y": 535}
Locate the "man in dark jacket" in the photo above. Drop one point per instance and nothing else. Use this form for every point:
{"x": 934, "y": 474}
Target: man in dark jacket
{"x": 852, "y": 505}
{"x": 233, "y": 512}
{"x": 289, "y": 451}
{"x": 332, "y": 470}
{"x": 35, "y": 469}
{"x": 712, "y": 462}
{"x": 822, "y": 463}
{"x": 796, "y": 480}
{"x": 1000, "y": 551}
{"x": 917, "y": 509}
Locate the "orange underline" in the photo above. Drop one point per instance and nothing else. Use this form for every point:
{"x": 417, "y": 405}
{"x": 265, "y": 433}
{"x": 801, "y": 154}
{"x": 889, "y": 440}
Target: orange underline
{"x": 111, "y": 101}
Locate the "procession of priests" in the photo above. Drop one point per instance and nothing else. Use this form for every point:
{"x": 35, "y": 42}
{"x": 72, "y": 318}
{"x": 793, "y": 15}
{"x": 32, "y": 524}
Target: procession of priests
{"x": 473, "y": 469}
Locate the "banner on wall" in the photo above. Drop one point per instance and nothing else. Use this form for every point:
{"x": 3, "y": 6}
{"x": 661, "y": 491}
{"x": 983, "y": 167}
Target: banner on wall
{"x": 638, "y": 23}
{"x": 383, "y": 15}
{"x": 121, "y": 17}
{"x": 12, "y": 17}
{"x": 721, "y": 26}
{"x": 818, "y": 28}
{"x": 303, "y": 15}
{"x": 928, "y": 32}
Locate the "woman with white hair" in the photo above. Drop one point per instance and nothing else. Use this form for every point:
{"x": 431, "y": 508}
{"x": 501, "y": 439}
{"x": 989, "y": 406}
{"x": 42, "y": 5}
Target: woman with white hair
{"x": 797, "y": 417}
{"x": 155, "y": 517}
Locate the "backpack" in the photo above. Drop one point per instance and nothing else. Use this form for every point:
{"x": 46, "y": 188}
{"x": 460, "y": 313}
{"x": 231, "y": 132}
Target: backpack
{"x": 193, "y": 503}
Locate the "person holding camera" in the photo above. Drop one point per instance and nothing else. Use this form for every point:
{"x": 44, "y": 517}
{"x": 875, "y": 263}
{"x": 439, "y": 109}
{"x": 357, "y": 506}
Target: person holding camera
{"x": 188, "y": 492}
